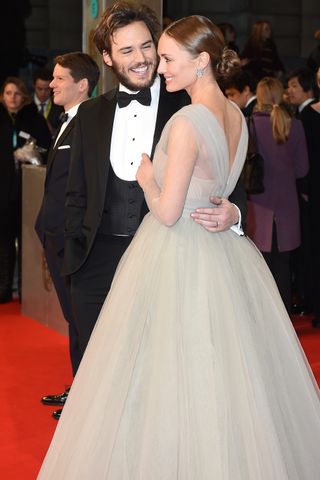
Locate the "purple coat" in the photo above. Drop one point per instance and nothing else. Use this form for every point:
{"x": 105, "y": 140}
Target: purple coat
{"x": 283, "y": 164}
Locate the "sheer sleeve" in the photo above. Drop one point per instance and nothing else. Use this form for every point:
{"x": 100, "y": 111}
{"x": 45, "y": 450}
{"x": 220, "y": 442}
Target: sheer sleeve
{"x": 166, "y": 203}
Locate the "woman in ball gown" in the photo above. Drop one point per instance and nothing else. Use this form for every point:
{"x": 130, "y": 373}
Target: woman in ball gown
{"x": 193, "y": 371}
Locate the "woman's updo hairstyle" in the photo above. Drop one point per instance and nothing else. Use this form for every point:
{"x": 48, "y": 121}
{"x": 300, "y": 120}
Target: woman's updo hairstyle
{"x": 198, "y": 34}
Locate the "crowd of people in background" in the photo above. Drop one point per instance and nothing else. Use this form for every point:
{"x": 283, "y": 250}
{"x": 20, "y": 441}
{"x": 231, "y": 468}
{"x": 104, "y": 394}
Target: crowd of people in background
{"x": 285, "y": 122}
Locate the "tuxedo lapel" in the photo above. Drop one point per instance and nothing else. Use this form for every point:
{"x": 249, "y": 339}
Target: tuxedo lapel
{"x": 60, "y": 141}
{"x": 105, "y": 121}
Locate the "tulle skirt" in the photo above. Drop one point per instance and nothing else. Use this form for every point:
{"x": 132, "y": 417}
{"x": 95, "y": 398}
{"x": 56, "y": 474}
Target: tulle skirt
{"x": 193, "y": 371}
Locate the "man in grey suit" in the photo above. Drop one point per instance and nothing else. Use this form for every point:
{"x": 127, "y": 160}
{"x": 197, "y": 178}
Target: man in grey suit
{"x": 104, "y": 203}
{"x": 74, "y": 78}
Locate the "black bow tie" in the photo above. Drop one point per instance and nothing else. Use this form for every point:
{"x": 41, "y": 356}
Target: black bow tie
{"x": 63, "y": 117}
{"x": 124, "y": 98}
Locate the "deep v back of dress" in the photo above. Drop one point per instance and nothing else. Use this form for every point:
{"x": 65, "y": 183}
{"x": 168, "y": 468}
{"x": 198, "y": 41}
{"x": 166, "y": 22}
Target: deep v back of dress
{"x": 211, "y": 174}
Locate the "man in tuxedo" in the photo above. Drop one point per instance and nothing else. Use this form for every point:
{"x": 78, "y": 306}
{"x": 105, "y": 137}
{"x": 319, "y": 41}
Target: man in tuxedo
{"x": 241, "y": 89}
{"x": 302, "y": 88}
{"x": 42, "y": 97}
{"x": 74, "y": 77}
{"x": 104, "y": 203}
{"x": 302, "y": 93}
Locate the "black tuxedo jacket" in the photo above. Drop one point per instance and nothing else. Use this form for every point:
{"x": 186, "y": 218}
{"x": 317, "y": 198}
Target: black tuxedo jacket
{"x": 90, "y": 164}
{"x": 51, "y": 216}
{"x": 247, "y": 111}
{"x": 54, "y": 116}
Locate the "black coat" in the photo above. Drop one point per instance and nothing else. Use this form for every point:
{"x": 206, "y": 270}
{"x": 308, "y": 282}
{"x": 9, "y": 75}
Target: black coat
{"x": 27, "y": 120}
{"x": 51, "y": 217}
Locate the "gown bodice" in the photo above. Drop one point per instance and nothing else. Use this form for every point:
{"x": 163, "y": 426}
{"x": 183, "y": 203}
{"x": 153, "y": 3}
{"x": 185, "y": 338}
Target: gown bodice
{"x": 211, "y": 175}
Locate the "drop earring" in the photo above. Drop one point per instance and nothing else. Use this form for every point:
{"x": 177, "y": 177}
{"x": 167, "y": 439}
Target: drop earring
{"x": 199, "y": 72}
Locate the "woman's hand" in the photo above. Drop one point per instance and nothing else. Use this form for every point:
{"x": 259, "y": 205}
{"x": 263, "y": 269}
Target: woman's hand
{"x": 144, "y": 173}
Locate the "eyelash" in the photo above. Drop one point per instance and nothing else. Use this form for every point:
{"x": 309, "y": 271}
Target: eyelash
{"x": 145, "y": 47}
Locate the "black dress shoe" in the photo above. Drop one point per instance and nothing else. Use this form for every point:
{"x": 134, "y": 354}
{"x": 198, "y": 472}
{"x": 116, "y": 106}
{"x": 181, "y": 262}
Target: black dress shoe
{"x": 59, "y": 399}
{"x": 57, "y": 414}
{"x": 316, "y": 322}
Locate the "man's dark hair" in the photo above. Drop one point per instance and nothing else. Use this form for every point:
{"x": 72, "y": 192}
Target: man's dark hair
{"x": 42, "y": 74}
{"x": 240, "y": 80}
{"x": 119, "y": 15}
{"x": 306, "y": 78}
{"x": 81, "y": 65}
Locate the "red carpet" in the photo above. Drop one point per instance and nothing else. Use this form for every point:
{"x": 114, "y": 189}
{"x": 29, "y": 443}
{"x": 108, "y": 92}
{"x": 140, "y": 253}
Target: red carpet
{"x": 34, "y": 361}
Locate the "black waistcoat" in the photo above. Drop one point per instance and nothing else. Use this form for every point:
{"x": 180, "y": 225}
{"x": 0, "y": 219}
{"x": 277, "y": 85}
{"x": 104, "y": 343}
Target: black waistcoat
{"x": 122, "y": 207}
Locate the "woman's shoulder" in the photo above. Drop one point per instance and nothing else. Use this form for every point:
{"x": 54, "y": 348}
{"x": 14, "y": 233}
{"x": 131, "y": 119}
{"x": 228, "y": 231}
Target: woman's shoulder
{"x": 190, "y": 112}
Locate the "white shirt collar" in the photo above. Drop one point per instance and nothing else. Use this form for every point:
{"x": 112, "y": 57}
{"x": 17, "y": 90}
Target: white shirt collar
{"x": 305, "y": 103}
{"x": 250, "y": 100}
{"x": 72, "y": 112}
{"x": 38, "y": 103}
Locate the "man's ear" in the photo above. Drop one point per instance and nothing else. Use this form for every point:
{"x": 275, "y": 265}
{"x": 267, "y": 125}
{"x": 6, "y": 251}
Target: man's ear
{"x": 84, "y": 84}
{"x": 106, "y": 58}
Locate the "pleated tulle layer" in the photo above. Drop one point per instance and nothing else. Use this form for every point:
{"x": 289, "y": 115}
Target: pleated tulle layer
{"x": 193, "y": 372}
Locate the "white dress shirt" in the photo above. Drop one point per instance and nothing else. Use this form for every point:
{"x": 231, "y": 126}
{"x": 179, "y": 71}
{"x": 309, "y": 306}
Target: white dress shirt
{"x": 46, "y": 105}
{"x": 132, "y": 133}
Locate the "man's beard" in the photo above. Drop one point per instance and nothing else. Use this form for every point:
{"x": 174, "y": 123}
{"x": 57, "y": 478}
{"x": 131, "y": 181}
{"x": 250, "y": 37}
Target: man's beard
{"x": 126, "y": 81}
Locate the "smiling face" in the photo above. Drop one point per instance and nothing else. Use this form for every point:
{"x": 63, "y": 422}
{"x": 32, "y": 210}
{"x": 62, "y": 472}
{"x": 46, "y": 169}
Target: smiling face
{"x": 66, "y": 91}
{"x": 176, "y": 64}
{"x": 12, "y": 98}
{"x": 133, "y": 56}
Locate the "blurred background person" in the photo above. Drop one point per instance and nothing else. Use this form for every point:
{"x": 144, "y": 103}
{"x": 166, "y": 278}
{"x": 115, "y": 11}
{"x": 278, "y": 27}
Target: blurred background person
{"x": 302, "y": 88}
{"x": 260, "y": 54}
{"x": 273, "y": 216}
{"x": 18, "y": 118}
{"x": 302, "y": 93}
{"x": 241, "y": 89}
{"x": 75, "y": 76}
{"x": 313, "y": 61}
{"x": 42, "y": 97}
{"x": 310, "y": 117}
{"x": 229, "y": 33}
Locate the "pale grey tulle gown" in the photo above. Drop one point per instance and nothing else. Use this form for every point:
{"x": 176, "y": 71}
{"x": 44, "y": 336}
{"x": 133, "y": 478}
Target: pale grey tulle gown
{"x": 194, "y": 371}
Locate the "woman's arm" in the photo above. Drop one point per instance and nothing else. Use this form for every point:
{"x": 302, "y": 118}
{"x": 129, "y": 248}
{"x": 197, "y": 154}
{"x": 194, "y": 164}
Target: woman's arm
{"x": 166, "y": 204}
